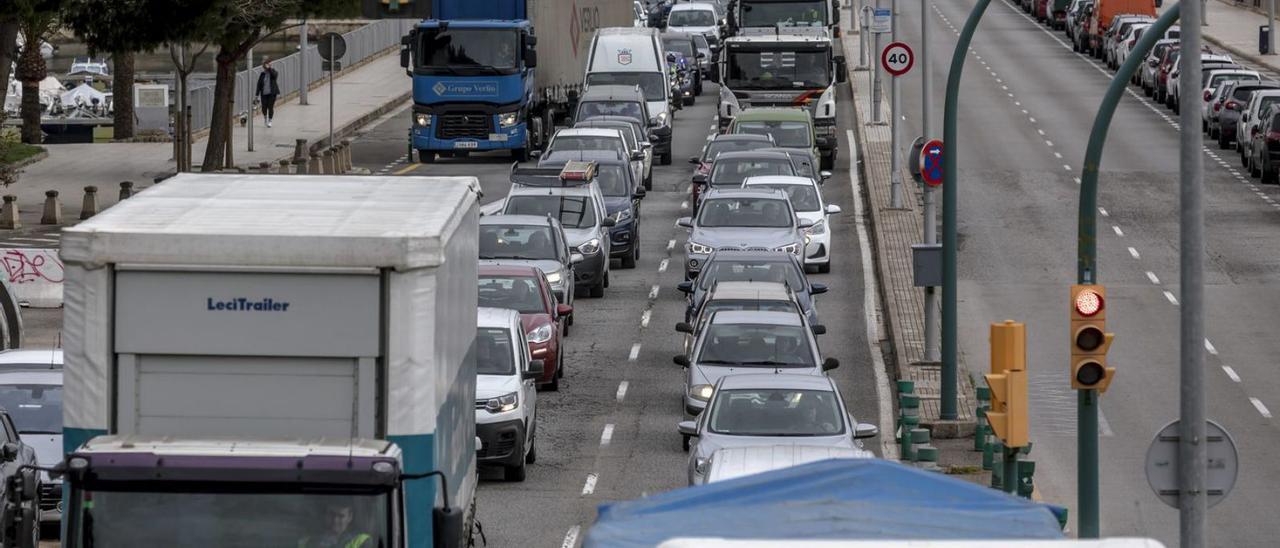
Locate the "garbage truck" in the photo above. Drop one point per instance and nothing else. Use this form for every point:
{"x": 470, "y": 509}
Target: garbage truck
{"x": 484, "y": 80}
{"x": 273, "y": 360}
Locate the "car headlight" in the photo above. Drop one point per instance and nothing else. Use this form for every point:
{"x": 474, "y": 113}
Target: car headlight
{"x": 540, "y": 335}
{"x": 503, "y": 403}
{"x": 508, "y": 119}
{"x": 701, "y": 392}
{"x": 622, "y": 215}
{"x": 590, "y": 247}
{"x": 421, "y": 119}
{"x": 700, "y": 465}
{"x": 553, "y": 278}
{"x": 696, "y": 248}
{"x": 662, "y": 118}
{"x": 819, "y": 227}
{"x": 789, "y": 248}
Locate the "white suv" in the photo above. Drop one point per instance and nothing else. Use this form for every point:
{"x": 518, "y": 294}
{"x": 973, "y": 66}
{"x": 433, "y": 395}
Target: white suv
{"x": 506, "y": 397}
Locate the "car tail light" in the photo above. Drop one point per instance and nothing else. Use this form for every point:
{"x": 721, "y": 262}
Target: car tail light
{"x": 1217, "y": 107}
{"x": 1233, "y": 105}
{"x": 1273, "y": 136}
{"x": 1208, "y": 95}
{"x": 1133, "y": 42}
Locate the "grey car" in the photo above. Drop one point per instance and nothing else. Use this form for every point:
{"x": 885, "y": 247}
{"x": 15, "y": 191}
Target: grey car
{"x": 747, "y": 341}
{"x": 534, "y": 241}
{"x": 582, "y": 214}
{"x": 772, "y": 410}
{"x": 33, "y": 398}
{"x": 747, "y": 219}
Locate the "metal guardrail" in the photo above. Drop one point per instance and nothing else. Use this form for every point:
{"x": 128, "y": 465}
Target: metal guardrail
{"x": 362, "y": 43}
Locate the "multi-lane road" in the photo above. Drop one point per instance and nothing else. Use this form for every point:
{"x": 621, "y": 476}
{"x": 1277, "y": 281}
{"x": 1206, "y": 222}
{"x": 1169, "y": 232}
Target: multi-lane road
{"x": 1027, "y": 106}
{"x": 609, "y": 434}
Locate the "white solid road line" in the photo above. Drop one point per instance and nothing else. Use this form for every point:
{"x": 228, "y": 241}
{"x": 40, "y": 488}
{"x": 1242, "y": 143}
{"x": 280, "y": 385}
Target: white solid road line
{"x": 622, "y": 390}
{"x": 1172, "y": 299}
{"x": 590, "y": 486}
{"x": 607, "y": 435}
{"x": 635, "y": 352}
{"x": 888, "y": 449}
{"x": 1262, "y": 409}
{"x": 1231, "y": 373}
{"x": 571, "y": 538}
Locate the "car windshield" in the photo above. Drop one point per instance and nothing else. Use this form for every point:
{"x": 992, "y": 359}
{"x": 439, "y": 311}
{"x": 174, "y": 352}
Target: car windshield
{"x": 730, "y": 172}
{"x": 652, "y": 84}
{"x": 591, "y": 109}
{"x": 683, "y": 46}
{"x": 572, "y": 211}
{"x": 519, "y": 293}
{"x": 494, "y": 352}
{"x": 197, "y": 513}
{"x": 585, "y": 142}
{"x": 613, "y": 180}
{"x": 35, "y": 408}
{"x": 785, "y": 134}
{"x": 751, "y": 271}
{"x": 721, "y": 146}
{"x": 776, "y": 412}
{"x": 517, "y": 242}
{"x": 692, "y": 18}
{"x": 767, "y": 14}
{"x": 803, "y": 197}
{"x": 459, "y": 49}
{"x": 779, "y": 69}
{"x": 762, "y": 345}
{"x": 745, "y": 213}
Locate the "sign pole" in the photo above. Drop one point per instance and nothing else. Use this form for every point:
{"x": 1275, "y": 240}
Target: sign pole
{"x": 249, "y": 97}
{"x": 876, "y": 98}
{"x": 895, "y": 171}
{"x": 331, "y": 67}
{"x": 303, "y": 83}
{"x": 930, "y": 210}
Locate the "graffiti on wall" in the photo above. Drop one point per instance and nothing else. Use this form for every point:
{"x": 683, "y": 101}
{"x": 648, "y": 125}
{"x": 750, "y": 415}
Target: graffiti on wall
{"x": 35, "y": 275}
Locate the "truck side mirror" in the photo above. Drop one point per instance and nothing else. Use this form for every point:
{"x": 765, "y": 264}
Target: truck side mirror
{"x": 530, "y": 57}
{"x": 406, "y": 50}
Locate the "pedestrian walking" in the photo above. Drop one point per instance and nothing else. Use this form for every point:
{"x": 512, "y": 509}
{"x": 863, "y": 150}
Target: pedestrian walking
{"x": 268, "y": 90}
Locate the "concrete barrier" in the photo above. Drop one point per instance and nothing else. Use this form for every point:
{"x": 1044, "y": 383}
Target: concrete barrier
{"x": 126, "y": 190}
{"x": 52, "y": 214}
{"x": 89, "y": 206}
{"x": 35, "y": 275}
{"x": 9, "y": 213}
{"x": 284, "y": 167}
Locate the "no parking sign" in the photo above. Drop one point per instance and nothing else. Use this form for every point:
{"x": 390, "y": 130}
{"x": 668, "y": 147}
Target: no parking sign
{"x": 931, "y": 163}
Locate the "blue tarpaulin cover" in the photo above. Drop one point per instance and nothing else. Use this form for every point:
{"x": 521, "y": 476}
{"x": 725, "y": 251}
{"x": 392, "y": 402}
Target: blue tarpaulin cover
{"x": 837, "y": 499}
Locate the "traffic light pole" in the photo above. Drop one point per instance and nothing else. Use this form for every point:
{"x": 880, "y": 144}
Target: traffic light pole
{"x": 1087, "y": 259}
{"x": 949, "y": 191}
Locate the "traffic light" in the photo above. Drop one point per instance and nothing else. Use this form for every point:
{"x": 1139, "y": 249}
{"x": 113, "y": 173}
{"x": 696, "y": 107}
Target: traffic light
{"x": 1008, "y": 383}
{"x": 1089, "y": 338}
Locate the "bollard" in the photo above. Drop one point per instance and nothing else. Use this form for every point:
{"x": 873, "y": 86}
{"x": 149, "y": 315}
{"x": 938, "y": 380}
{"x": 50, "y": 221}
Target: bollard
{"x": 299, "y": 151}
{"x": 313, "y": 165}
{"x": 908, "y": 423}
{"x": 997, "y": 463}
{"x": 89, "y": 206}
{"x": 927, "y": 457}
{"x": 264, "y": 167}
{"x": 346, "y": 155}
{"x": 126, "y": 189}
{"x": 301, "y": 167}
{"x": 339, "y": 166}
{"x": 284, "y": 167}
{"x": 326, "y": 162}
{"x": 52, "y": 214}
{"x": 906, "y": 386}
{"x": 1026, "y": 483}
{"x": 980, "y": 429}
{"x": 988, "y": 455}
{"x": 9, "y": 213}
{"x": 919, "y": 437}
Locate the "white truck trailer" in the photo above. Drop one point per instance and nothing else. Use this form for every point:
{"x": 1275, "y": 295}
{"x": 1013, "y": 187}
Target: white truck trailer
{"x": 247, "y": 355}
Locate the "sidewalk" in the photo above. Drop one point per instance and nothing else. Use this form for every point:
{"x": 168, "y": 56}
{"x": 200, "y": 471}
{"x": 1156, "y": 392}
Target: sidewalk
{"x": 1234, "y": 27}
{"x": 363, "y": 94}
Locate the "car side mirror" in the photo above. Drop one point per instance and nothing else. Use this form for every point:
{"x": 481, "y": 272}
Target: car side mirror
{"x": 829, "y": 364}
{"x": 535, "y": 370}
{"x": 575, "y": 258}
{"x": 701, "y": 55}
{"x": 693, "y": 160}
{"x": 699, "y": 179}
{"x": 639, "y": 194}
{"x": 563, "y": 310}
{"x": 863, "y": 431}
{"x": 681, "y": 360}
{"x": 652, "y": 137}
{"x": 685, "y": 287}
{"x": 688, "y": 428}
{"x": 824, "y": 175}
{"x": 804, "y": 223}
{"x": 637, "y": 155}
{"x": 818, "y": 329}
{"x": 530, "y": 58}
{"x": 535, "y": 153}
{"x": 817, "y": 289}
{"x": 653, "y": 122}
{"x": 832, "y": 209}
{"x": 608, "y": 222}
{"x": 684, "y": 327}
{"x": 9, "y": 452}
{"x": 686, "y": 222}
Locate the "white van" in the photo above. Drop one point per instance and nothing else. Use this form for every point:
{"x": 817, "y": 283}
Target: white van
{"x": 635, "y": 56}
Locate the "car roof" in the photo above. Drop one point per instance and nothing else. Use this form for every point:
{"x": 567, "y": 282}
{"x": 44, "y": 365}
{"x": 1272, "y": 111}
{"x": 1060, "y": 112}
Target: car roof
{"x": 760, "y": 114}
{"x": 789, "y": 150}
{"x": 520, "y": 270}
{"x": 746, "y": 193}
{"x": 575, "y": 191}
{"x": 764, "y": 291}
{"x": 616, "y": 123}
{"x": 770, "y": 380}
{"x": 756, "y": 154}
{"x": 693, "y": 6}
{"x": 511, "y": 219}
{"x": 34, "y": 357}
{"x": 559, "y": 158}
{"x": 31, "y": 376}
{"x": 614, "y": 118}
{"x": 777, "y": 180}
{"x": 757, "y": 317}
{"x": 743, "y": 255}
{"x": 742, "y": 137}
{"x": 587, "y": 131}
{"x": 496, "y": 317}
{"x": 612, "y": 92}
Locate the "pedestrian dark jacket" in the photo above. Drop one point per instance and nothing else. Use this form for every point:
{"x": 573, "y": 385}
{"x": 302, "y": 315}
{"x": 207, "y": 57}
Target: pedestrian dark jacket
{"x": 268, "y": 82}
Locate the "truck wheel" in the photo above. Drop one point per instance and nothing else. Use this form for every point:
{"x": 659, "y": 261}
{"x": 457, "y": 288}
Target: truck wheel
{"x": 520, "y": 154}
{"x": 426, "y": 157}
{"x": 514, "y": 473}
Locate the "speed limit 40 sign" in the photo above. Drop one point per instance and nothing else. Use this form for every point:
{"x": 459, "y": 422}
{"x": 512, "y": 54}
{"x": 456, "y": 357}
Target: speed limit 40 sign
{"x": 897, "y": 58}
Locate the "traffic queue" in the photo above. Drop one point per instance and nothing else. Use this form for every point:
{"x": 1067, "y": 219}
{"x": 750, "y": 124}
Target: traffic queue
{"x": 758, "y": 225}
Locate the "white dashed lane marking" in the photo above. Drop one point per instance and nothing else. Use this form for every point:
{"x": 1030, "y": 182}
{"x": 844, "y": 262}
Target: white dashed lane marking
{"x": 607, "y": 435}
{"x": 1262, "y": 409}
{"x": 622, "y": 390}
{"x": 590, "y": 486}
{"x": 1152, "y": 276}
{"x": 1172, "y": 300}
{"x": 635, "y": 352}
{"x": 1134, "y": 253}
{"x": 1231, "y": 373}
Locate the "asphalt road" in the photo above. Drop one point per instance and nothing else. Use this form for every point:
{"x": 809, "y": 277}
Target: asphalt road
{"x": 610, "y": 433}
{"x": 1027, "y": 106}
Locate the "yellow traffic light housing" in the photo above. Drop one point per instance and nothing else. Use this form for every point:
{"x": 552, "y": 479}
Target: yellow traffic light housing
{"x": 1008, "y": 382}
{"x": 1090, "y": 339}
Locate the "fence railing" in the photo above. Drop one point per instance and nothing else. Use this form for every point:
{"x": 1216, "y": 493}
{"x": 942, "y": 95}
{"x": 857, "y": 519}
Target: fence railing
{"x": 362, "y": 43}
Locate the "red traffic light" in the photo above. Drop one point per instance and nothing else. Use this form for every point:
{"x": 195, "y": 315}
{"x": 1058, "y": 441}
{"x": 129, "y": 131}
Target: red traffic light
{"x": 1089, "y": 302}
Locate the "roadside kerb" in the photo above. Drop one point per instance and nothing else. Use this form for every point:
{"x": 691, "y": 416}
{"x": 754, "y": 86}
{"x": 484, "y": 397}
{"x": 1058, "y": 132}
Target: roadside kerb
{"x": 894, "y": 231}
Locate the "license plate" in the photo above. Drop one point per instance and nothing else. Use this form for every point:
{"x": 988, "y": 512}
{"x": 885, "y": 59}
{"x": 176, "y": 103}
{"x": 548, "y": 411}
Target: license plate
{"x": 466, "y": 144}
{"x": 499, "y": 137}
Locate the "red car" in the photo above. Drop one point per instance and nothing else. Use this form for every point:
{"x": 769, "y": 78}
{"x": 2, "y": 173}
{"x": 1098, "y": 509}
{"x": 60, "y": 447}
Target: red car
{"x": 525, "y": 289}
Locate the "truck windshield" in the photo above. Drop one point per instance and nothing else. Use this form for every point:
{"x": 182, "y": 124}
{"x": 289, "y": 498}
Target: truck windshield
{"x": 651, "y": 83}
{"x": 230, "y": 519}
{"x": 785, "y": 134}
{"x": 779, "y": 69}
{"x": 35, "y": 408}
{"x": 468, "y": 50}
{"x": 768, "y": 14}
